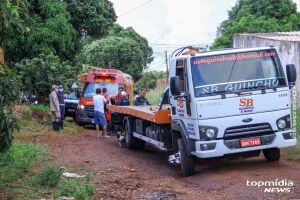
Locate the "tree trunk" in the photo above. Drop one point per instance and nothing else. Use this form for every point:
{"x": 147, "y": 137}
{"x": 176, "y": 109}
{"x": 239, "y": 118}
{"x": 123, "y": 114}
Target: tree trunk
{"x": 1, "y": 56}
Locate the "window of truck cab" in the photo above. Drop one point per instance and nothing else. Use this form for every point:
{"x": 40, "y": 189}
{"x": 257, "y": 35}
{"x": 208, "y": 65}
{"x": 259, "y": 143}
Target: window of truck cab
{"x": 236, "y": 72}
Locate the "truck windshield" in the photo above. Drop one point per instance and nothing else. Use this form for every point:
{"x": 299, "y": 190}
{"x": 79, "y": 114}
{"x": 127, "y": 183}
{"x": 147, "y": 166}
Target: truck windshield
{"x": 236, "y": 72}
{"x": 90, "y": 88}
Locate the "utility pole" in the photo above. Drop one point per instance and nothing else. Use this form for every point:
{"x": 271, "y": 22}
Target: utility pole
{"x": 167, "y": 65}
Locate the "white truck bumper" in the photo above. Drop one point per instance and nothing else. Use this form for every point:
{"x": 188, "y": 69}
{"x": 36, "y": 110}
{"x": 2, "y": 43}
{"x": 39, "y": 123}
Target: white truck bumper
{"x": 219, "y": 149}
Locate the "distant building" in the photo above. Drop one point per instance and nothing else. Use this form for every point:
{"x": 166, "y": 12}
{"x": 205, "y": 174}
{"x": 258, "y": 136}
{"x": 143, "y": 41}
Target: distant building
{"x": 286, "y": 43}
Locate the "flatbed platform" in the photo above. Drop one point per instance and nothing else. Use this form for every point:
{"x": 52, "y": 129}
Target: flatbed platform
{"x": 148, "y": 113}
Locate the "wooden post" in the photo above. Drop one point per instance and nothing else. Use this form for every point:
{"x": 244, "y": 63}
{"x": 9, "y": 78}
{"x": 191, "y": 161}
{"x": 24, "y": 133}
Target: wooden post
{"x": 1, "y": 56}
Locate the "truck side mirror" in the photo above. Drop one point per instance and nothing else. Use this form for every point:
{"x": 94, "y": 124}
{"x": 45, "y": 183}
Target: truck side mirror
{"x": 291, "y": 74}
{"x": 175, "y": 86}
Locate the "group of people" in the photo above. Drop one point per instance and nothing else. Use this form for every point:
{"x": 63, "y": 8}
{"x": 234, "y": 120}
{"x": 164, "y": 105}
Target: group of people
{"x": 101, "y": 99}
{"x": 57, "y": 107}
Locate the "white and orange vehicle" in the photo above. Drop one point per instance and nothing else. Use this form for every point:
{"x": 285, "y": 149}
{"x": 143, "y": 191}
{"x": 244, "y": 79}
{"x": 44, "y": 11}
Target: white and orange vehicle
{"x": 223, "y": 103}
{"x": 111, "y": 79}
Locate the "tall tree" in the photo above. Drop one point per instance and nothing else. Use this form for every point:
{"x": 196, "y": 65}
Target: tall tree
{"x": 49, "y": 31}
{"x": 115, "y": 52}
{"x": 117, "y": 30}
{"x": 256, "y": 16}
{"x": 91, "y": 17}
{"x": 10, "y": 22}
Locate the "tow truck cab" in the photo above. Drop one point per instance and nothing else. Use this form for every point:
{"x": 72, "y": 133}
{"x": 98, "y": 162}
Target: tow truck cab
{"x": 111, "y": 79}
{"x": 230, "y": 102}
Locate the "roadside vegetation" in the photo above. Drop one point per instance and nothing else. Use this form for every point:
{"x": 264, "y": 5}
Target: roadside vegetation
{"x": 154, "y": 95}
{"x": 49, "y": 183}
{"x": 20, "y": 166}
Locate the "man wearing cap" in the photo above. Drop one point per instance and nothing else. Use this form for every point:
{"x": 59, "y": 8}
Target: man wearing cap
{"x": 54, "y": 108}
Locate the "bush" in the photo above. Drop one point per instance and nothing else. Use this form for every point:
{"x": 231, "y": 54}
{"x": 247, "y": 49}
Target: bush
{"x": 149, "y": 79}
{"x": 9, "y": 94}
{"x": 154, "y": 96}
{"x": 40, "y": 73}
{"x": 77, "y": 188}
{"x": 49, "y": 176}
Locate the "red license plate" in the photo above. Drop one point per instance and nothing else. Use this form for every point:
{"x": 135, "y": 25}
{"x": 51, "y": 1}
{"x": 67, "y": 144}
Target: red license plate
{"x": 250, "y": 142}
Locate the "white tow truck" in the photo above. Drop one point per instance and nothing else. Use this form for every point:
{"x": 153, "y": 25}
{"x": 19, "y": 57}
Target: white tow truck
{"x": 234, "y": 102}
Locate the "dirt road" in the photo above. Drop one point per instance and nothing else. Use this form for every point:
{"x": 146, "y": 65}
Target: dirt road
{"x": 120, "y": 173}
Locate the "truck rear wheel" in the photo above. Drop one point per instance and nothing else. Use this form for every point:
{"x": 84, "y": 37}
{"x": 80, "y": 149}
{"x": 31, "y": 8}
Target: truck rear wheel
{"x": 272, "y": 154}
{"x": 187, "y": 162}
{"x": 130, "y": 141}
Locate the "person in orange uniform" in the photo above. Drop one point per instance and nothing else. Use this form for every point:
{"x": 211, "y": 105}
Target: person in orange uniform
{"x": 106, "y": 111}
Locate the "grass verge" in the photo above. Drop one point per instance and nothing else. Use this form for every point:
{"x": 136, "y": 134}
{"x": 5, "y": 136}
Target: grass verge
{"x": 50, "y": 184}
{"x": 18, "y": 160}
{"x": 35, "y": 120}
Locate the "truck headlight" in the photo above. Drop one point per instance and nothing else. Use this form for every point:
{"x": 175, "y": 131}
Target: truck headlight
{"x": 81, "y": 107}
{"x": 208, "y": 133}
{"x": 284, "y": 123}
{"x": 281, "y": 124}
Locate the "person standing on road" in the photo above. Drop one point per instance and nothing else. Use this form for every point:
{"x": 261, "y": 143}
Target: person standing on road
{"x": 61, "y": 99}
{"x": 106, "y": 111}
{"x": 141, "y": 99}
{"x": 54, "y": 108}
{"x": 100, "y": 120}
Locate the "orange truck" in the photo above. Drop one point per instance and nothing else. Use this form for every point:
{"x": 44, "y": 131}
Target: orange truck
{"x": 101, "y": 78}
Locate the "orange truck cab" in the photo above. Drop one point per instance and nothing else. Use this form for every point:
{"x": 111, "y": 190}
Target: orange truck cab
{"x": 101, "y": 78}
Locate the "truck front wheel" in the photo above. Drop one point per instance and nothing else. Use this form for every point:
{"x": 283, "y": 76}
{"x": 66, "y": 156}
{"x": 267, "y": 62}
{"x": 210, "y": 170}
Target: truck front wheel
{"x": 272, "y": 154}
{"x": 187, "y": 162}
{"x": 130, "y": 141}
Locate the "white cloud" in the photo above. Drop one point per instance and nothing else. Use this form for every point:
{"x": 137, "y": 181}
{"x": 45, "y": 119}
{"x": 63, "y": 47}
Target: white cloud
{"x": 174, "y": 22}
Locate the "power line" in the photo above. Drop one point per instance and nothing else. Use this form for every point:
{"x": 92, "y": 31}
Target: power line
{"x": 133, "y": 9}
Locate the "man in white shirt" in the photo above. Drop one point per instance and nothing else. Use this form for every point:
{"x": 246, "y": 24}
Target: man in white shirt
{"x": 100, "y": 120}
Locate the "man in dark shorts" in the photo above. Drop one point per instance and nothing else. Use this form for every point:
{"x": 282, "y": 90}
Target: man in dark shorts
{"x": 100, "y": 120}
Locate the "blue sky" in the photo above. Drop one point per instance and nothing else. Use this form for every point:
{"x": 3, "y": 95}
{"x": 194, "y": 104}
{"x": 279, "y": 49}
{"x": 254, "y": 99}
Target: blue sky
{"x": 168, "y": 24}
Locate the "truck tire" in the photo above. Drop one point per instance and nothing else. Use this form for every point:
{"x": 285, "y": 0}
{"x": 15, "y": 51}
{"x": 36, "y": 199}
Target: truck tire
{"x": 130, "y": 141}
{"x": 272, "y": 154}
{"x": 187, "y": 162}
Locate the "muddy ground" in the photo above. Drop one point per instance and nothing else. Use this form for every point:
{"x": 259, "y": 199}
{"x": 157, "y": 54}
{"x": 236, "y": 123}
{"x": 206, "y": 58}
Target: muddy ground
{"x": 120, "y": 173}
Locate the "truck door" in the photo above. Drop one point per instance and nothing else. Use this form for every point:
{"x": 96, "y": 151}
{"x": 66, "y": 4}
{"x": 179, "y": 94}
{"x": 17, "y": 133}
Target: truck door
{"x": 182, "y": 106}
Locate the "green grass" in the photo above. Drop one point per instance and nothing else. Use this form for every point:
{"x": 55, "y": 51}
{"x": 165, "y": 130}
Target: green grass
{"x": 48, "y": 177}
{"x": 80, "y": 189}
{"x": 40, "y": 108}
{"x": 50, "y": 184}
{"x": 18, "y": 160}
{"x": 154, "y": 95}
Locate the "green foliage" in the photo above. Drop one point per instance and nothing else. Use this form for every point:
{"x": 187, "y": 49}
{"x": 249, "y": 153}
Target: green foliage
{"x": 149, "y": 79}
{"x": 19, "y": 159}
{"x": 257, "y": 16}
{"x": 117, "y": 30}
{"x": 77, "y": 188}
{"x": 39, "y": 74}
{"x": 154, "y": 95}
{"x": 49, "y": 176}
{"x": 9, "y": 93}
{"x": 115, "y": 52}
{"x": 49, "y": 31}
{"x": 91, "y": 17}
{"x": 11, "y": 21}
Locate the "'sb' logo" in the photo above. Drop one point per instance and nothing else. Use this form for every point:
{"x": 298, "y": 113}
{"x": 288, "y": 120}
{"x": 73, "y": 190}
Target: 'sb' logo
{"x": 247, "y": 102}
